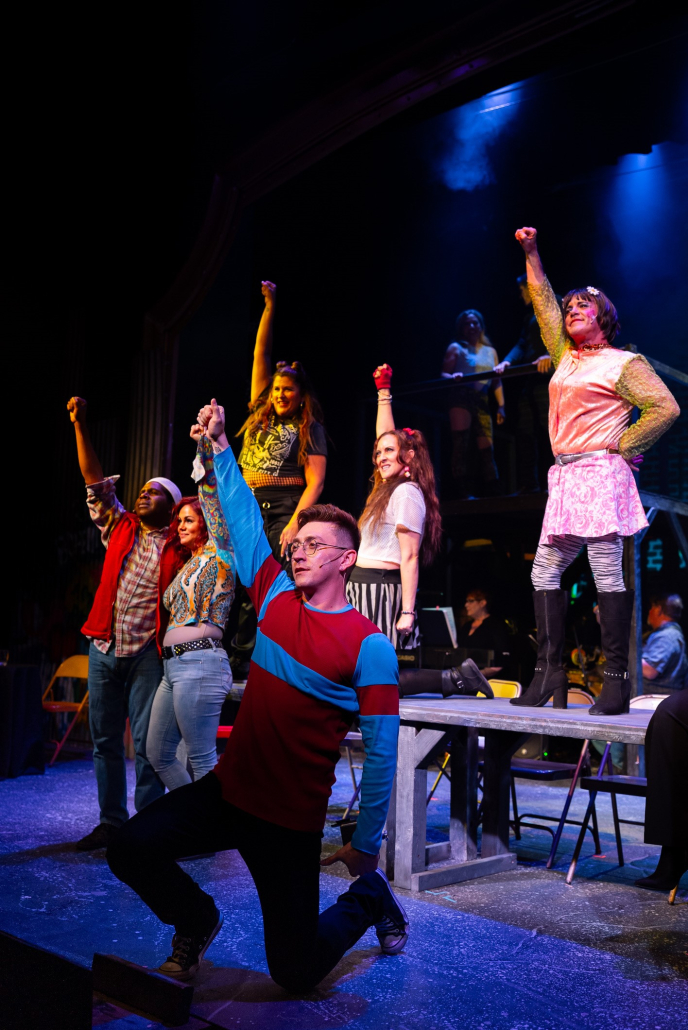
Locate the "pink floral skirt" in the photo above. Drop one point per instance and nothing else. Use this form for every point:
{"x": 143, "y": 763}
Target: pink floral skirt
{"x": 592, "y": 497}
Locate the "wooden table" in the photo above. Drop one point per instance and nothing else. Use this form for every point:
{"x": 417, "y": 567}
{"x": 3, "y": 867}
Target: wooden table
{"x": 428, "y": 725}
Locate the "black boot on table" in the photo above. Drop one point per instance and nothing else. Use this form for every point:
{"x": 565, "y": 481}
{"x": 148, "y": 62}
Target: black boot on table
{"x": 673, "y": 863}
{"x": 550, "y": 679}
{"x": 465, "y": 679}
{"x": 616, "y": 611}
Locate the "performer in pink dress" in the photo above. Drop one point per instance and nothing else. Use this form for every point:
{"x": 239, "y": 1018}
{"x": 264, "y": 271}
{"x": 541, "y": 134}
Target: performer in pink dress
{"x": 593, "y": 498}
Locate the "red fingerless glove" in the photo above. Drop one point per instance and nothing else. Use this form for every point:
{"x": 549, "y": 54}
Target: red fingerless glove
{"x": 383, "y": 377}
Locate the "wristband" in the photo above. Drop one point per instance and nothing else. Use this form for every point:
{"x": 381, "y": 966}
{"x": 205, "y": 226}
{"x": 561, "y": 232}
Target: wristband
{"x": 383, "y": 377}
{"x": 409, "y": 613}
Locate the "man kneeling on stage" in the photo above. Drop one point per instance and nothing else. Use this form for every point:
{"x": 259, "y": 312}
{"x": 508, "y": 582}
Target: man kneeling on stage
{"x": 317, "y": 664}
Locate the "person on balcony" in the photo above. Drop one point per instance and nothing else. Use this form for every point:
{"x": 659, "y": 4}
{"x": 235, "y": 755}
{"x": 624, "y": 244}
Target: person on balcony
{"x": 469, "y": 411}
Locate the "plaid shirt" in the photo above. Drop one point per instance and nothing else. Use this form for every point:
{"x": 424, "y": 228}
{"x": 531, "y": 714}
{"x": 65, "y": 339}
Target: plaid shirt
{"x": 137, "y": 591}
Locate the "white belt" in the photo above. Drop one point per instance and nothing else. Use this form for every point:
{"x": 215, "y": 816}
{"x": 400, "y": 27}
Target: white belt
{"x": 565, "y": 459}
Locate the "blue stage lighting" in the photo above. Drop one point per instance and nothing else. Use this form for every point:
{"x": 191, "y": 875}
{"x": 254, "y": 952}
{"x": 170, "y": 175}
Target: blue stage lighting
{"x": 466, "y": 164}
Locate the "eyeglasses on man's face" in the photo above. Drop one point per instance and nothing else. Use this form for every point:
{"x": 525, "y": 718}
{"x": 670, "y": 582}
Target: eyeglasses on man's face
{"x": 310, "y": 546}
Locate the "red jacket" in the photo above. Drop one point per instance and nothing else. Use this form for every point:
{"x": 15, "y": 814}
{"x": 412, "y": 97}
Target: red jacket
{"x": 99, "y": 622}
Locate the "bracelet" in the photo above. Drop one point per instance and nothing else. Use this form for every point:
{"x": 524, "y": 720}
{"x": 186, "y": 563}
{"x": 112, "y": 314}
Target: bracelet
{"x": 384, "y": 400}
{"x": 409, "y": 613}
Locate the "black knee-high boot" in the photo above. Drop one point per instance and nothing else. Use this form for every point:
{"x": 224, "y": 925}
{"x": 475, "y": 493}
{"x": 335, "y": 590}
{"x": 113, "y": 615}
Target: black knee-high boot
{"x": 466, "y": 679}
{"x": 550, "y": 678}
{"x": 616, "y": 612}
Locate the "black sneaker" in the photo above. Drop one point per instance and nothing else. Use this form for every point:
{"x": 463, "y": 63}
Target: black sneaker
{"x": 392, "y": 931}
{"x": 187, "y": 952}
{"x": 100, "y": 837}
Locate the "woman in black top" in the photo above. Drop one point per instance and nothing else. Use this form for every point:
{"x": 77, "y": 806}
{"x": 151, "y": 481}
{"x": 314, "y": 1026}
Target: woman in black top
{"x": 483, "y": 632}
{"x": 283, "y": 458}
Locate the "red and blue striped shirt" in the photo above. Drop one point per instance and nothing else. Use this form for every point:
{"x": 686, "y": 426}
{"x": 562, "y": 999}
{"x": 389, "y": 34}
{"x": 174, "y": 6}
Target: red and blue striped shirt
{"x": 312, "y": 671}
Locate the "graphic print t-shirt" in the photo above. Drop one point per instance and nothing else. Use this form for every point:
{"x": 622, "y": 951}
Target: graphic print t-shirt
{"x": 274, "y": 451}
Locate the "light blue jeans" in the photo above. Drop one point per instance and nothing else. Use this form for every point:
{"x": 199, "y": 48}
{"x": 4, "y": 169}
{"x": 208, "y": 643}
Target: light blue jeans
{"x": 187, "y": 707}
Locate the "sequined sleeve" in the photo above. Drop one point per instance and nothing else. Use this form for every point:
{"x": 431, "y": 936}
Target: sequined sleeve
{"x": 640, "y": 384}
{"x": 550, "y": 319}
{"x": 104, "y": 506}
{"x": 212, "y": 510}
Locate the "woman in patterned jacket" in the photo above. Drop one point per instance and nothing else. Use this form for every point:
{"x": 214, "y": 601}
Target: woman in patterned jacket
{"x": 593, "y": 498}
{"x": 196, "y": 670}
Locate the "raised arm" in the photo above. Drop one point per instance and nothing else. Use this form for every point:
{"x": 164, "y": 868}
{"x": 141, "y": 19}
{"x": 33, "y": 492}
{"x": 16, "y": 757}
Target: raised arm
{"x": 210, "y": 502}
{"x": 255, "y": 564}
{"x": 385, "y": 419}
{"x": 641, "y": 386}
{"x": 545, "y": 304}
{"x": 89, "y": 464}
{"x": 262, "y": 354}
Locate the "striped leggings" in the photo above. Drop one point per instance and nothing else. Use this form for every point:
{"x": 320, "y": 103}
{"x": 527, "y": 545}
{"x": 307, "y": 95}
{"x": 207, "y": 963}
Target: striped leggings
{"x": 605, "y": 554}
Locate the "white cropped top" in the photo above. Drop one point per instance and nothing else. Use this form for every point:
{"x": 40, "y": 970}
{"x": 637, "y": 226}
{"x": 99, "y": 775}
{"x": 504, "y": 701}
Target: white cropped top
{"x": 406, "y": 508}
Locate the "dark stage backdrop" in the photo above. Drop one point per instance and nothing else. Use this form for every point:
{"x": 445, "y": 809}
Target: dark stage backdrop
{"x": 375, "y": 250}
{"x": 378, "y": 248}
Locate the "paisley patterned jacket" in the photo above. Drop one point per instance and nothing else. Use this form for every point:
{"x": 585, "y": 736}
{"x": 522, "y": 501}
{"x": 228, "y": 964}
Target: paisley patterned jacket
{"x": 203, "y": 590}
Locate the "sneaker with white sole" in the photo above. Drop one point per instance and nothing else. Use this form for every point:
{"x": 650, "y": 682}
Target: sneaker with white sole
{"x": 392, "y": 930}
{"x": 187, "y": 951}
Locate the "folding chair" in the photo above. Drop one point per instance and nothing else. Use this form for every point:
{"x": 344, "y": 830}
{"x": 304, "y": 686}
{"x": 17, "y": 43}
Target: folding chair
{"x": 634, "y": 786}
{"x": 548, "y": 772}
{"x": 353, "y": 741}
{"x": 75, "y": 667}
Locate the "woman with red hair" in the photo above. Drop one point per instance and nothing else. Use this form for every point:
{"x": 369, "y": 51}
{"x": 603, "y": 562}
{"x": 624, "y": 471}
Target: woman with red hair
{"x": 196, "y": 670}
{"x": 401, "y": 527}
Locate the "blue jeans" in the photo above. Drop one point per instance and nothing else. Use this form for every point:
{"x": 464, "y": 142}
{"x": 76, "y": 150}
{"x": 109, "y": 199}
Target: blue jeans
{"x": 117, "y": 688}
{"x": 187, "y": 707}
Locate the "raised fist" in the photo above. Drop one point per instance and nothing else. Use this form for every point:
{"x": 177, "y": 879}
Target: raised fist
{"x": 383, "y": 377}
{"x": 76, "y": 406}
{"x": 269, "y": 291}
{"x": 527, "y": 237}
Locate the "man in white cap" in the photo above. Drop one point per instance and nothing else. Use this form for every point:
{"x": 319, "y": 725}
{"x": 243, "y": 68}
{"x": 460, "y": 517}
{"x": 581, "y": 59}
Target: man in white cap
{"x": 124, "y": 667}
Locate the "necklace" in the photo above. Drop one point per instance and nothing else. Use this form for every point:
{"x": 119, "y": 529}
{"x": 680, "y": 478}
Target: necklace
{"x": 593, "y": 346}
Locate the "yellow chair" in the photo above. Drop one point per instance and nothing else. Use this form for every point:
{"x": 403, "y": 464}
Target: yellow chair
{"x": 500, "y": 688}
{"x": 505, "y": 688}
{"x": 75, "y": 667}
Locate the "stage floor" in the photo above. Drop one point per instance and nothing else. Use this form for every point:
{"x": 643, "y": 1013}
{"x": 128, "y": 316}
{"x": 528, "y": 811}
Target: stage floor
{"x": 514, "y": 951}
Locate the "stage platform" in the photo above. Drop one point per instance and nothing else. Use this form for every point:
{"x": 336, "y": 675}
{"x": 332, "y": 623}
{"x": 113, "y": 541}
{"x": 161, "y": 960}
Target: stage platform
{"x": 518, "y": 949}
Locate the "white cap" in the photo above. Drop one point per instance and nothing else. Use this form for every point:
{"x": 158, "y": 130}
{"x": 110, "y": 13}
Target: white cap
{"x": 171, "y": 487}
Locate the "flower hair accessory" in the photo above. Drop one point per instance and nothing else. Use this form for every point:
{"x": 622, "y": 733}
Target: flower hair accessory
{"x": 592, "y": 290}
{"x": 408, "y": 431}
